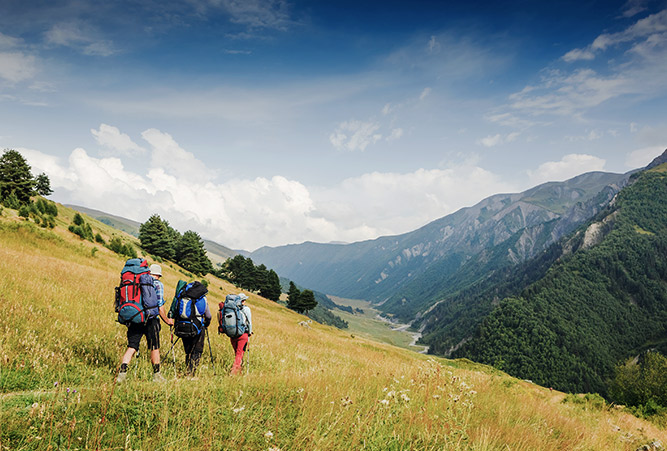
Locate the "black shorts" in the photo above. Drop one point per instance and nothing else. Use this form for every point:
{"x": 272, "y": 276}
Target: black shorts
{"x": 152, "y": 331}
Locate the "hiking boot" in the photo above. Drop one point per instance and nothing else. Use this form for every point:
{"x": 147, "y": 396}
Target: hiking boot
{"x": 158, "y": 377}
{"x": 121, "y": 377}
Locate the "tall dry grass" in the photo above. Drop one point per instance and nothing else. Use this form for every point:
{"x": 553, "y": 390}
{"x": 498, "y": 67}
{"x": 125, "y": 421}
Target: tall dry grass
{"x": 303, "y": 388}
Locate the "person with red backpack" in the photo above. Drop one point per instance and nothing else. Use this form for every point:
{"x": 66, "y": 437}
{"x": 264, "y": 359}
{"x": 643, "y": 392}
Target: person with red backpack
{"x": 137, "y": 293}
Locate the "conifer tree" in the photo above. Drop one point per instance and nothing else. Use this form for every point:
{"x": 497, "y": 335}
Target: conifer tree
{"x": 157, "y": 238}
{"x": 191, "y": 254}
{"x": 15, "y": 177}
{"x": 293, "y": 297}
{"x": 307, "y": 301}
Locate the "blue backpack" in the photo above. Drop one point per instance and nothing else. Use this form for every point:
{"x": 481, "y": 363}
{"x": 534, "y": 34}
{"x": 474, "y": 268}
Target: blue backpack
{"x": 232, "y": 321}
{"x": 188, "y": 309}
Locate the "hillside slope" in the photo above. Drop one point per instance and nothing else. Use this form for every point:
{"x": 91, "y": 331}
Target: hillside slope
{"x": 407, "y": 274}
{"x": 303, "y": 387}
{"x": 605, "y": 299}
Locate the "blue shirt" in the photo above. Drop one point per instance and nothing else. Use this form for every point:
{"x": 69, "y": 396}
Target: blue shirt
{"x": 159, "y": 289}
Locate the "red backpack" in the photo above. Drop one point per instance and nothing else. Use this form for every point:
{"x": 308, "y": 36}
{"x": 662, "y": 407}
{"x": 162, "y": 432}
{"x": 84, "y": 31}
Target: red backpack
{"x": 129, "y": 303}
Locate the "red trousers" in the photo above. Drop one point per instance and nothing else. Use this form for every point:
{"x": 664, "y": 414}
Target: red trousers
{"x": 239, "y": 344}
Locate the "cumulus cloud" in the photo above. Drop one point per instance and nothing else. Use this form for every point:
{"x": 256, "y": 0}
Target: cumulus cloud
{"x": 355, "y": 135}
{"x": 110, "y": 137}
{"x": 167, "y": 154}
{"x": 569, "y": 166}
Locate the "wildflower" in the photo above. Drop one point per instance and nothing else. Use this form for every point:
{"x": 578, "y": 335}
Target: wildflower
{"x": 274, "y": 448}
{"x": 436, "y": 396}
{"x": 68, "y": 390}
{"x": 238, "y": 409}
{"x": 384, "y": 402}
{"x": 404, "y": 397}
{"x": 300, "y": 390}
{"x": 346, "y": 401}
{"x": 391, "y": 394}
{"x": 55, "y": 384}
{"x": 268, "y": 435}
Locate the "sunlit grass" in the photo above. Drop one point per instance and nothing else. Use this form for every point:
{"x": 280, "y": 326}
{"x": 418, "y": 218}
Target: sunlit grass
{"x": 303, "y": 388}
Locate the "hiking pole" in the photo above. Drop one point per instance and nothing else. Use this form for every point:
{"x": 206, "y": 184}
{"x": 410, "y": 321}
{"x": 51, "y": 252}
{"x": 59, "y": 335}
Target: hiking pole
{"x": 247, "y": 350}
{"x": 173, "y": 356}
{"x": 172, "y": 347}
{"x": 210, "y": 350}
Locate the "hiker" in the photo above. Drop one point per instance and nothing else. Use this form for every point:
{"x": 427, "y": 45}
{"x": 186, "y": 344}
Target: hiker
{"x": 240, "y": 344}
{"x": 152, "y": 293}
{"x": 192, "y": 316}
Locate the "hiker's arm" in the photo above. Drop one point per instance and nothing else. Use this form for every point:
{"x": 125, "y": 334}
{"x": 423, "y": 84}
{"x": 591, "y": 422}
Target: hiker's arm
{"x": 207, "y": 316}
{"x": 163, "y": 315}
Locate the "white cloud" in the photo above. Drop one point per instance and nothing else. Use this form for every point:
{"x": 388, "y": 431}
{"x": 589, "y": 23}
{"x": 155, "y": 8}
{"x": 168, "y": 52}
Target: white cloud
{"x": 110, "y": 137}
{"x": 578, "y": 54}
{"x": 169, "y": 155}
{"x": 425, "y": 93}
{"x": 569, "y": 166}
{"x": 79, "y": 37}
{"x": 355, "y": 135}
{"x": 17, "y": 66}
{"x": 641, "y": 157}
{"x": 495, "y": 140}
{"x": 396, "y": 133}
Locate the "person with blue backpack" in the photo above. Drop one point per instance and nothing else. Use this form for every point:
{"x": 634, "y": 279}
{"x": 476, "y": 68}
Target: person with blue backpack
{"x": 235, "y": 321}
{"x": 140, "y": 308}
{"x": 191, "y": 315}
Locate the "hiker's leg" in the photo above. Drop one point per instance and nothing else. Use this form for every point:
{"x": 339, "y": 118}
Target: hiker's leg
{"x": 197, "y": 349}
{"x": 153, "y": 340}
{"x": 239, "y": 348}
{"x": 188, "y": 345}
{"x": 134, "y": 334}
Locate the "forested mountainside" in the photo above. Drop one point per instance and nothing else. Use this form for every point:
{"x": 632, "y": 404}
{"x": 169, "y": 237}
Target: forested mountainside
{"x": 603, "y": 300}
{"x": 409, "y": 273}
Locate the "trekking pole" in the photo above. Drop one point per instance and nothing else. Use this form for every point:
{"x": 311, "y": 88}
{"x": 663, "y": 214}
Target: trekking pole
{"x": 247, "y": 350}
{"x": 210, "y": 350}
{"x": 173, "y": 356}
{"x": 172, "y": 347}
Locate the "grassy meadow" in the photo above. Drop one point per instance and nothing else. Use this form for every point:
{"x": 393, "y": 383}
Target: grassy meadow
{"x": 303, "y": 388}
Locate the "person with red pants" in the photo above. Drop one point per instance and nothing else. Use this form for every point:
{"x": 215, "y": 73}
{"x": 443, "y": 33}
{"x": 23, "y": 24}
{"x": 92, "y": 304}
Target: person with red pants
{"x": 240, "y": 344}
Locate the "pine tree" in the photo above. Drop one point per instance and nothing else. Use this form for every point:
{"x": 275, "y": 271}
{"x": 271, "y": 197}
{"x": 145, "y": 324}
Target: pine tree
{"x": 43, "y": 185}
{"x": 15, "y": 177}
{"x": 191, "y": 254}
{"x": 307, "y": 301}
{"x": 271, "y": 289}
{"x": 157, "y": 237}
{"x": 293, "y": 296}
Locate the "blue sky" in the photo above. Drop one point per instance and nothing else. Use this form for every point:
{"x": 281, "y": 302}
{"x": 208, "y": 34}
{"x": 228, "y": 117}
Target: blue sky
{"x": 268, "y": 122}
